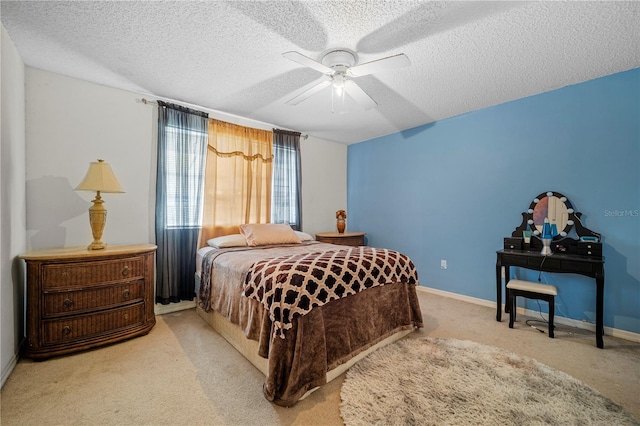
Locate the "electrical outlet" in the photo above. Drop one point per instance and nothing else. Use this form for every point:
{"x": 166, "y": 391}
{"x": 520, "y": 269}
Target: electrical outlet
{"x": 504, "y": 275}
{"x": 443, "y": 264}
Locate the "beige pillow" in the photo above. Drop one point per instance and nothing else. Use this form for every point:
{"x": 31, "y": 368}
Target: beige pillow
{"x": 226, "y": 241}
{"x": 304, "y": 236}
{"x": 262, "y": 234}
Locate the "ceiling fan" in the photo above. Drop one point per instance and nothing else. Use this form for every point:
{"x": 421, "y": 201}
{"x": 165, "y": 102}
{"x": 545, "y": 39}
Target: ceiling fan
{"x": 338, "y": 67}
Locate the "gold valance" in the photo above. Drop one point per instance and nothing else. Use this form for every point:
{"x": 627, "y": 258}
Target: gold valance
{"x": 240, "y": 153}
{"x": 229, "y": 140}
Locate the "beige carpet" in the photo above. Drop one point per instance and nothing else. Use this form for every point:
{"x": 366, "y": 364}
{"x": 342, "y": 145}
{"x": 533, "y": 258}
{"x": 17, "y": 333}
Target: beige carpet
{"x": 183, "y": 373}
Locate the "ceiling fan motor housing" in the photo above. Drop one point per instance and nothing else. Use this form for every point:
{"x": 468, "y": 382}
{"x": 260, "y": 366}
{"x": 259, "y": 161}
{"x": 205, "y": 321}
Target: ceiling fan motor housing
{"x": 340, "y": 59}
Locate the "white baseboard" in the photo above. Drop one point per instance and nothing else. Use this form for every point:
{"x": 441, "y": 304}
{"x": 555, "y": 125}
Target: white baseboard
{"x": 457, "y": 296}
{"x": 160, "y": 309}
{"x": 6, "y": 371}
{"x": 585, "y": 325}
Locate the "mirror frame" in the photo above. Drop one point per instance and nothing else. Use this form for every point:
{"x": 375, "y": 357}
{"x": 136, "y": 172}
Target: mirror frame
{"x": 562, "y": 233}
{"x": 574, "y": 221}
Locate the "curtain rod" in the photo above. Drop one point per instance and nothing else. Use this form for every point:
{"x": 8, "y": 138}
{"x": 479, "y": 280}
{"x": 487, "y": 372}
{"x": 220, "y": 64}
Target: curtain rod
{"x": 148, "y": 102}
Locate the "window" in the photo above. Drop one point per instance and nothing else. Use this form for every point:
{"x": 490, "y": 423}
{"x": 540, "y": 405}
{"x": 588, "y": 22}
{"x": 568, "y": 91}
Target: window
{"x": 286, "y": 202}
{"x": 184, "y": 166}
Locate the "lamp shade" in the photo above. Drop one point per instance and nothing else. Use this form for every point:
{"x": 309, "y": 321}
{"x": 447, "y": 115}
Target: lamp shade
{"x": 100, "y": 177}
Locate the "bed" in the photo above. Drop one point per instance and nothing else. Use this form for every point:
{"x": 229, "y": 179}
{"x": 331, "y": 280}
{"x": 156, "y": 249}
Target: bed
{"x": 302, "y": 311}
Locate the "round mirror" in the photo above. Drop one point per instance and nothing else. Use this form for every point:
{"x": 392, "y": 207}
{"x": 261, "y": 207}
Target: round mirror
{"x": 554, "y": 206}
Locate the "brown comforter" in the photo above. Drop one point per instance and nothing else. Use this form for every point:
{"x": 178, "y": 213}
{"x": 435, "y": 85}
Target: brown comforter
{"x": 318, "y": 341}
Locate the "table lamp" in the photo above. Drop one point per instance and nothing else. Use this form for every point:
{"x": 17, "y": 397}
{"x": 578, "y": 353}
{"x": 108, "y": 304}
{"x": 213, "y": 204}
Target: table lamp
{"x": 99, "y": 178}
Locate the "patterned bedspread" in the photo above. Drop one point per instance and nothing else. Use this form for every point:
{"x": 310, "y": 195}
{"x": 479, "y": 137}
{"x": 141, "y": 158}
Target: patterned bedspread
{"x": 322, "y": 338}
{"x": 291, "y": 286}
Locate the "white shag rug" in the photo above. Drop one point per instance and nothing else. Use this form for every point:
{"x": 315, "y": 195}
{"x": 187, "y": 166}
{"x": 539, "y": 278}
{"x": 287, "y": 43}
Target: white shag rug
{"x": 432, "y": 381}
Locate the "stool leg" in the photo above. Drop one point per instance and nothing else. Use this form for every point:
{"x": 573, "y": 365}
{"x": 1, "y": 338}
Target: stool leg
{"x": 512, "y": 304}
{"x": 551, "y": 313}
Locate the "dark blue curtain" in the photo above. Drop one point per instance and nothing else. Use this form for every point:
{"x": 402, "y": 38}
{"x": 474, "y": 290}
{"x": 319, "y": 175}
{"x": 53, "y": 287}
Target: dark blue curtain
{"x": 182, "y": 145}
{"x": 286, "y": 198}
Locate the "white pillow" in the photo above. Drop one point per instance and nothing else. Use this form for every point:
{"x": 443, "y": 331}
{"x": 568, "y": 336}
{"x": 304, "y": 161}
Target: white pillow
{"x": 304, "y": 236}
{"x": 226, "y": 241}
{"x": 262, "y": 234}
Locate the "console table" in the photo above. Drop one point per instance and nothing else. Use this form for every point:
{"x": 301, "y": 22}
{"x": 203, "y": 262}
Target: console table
{"x": 557, "y": 262}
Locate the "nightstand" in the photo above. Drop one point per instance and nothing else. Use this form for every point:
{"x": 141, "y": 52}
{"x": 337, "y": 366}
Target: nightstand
{"x": 345, "y": 239}
{"x": 79, "y": 299}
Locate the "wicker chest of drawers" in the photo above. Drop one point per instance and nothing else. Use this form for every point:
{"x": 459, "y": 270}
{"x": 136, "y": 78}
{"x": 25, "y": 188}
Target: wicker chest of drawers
{"x": 79, "y": 299}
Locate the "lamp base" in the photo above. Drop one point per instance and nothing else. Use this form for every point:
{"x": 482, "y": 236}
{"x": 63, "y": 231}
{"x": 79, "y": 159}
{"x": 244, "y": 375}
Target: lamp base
{"x": 546, "y": 247}
{"x": 97, "y": 245}
{"x": 97, "y": 219}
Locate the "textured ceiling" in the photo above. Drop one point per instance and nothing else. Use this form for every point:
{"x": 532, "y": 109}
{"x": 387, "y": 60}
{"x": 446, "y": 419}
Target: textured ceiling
{"x": 227, "y": 56}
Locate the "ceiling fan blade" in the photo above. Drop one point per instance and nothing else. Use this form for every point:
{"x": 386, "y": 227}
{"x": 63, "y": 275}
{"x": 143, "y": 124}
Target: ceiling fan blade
{"x": 391, "y": 62}
{"x": 359, "y": 95}
{"x": 308, "y": 62}
{"x": 308, "y": 93}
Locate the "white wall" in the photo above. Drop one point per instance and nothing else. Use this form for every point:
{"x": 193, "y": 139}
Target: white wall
{"x": 71, "y": 122}
{"x": 324, "y": 188}
{"x": 12, "y": 204}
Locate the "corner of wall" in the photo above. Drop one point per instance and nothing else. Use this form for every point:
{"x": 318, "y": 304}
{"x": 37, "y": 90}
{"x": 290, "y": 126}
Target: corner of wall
{"x": 12, "y": 204}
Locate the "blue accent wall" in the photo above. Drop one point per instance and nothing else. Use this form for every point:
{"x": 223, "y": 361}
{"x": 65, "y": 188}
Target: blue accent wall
{"x": 455, "y": 188}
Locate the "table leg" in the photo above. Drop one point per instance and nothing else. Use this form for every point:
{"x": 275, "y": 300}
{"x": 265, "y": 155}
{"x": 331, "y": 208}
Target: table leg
{"x": 498, "y": 290}
{"x": 600, "y": 309}
{"x": 507, "y": 275}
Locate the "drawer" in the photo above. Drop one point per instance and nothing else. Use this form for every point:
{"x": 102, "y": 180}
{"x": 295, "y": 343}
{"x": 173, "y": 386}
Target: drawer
{"x": 546, "y": 263}
{"x": 344, "y": 241}
{"x": 515, "y": 260}
{"x": 578, "y": 267}
{"x": 588, "y": 248}
{"x": 85, "y": 326}
{"x": 549, "y": 263}
{"x": 66, "y": 302}
{"x": 90, "y": 273}
{"x": 513, "y": 243}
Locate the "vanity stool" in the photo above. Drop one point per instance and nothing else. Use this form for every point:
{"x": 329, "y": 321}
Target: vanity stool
{"x": 530, "y": 290}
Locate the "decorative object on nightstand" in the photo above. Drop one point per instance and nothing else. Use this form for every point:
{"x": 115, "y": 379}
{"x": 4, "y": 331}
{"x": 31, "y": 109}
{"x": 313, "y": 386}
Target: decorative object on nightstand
{"x": 79, "y": 299}
{"x": 99, "y": 178}
{"x": 345, "y": 239}
{"x": 341, "y": 217}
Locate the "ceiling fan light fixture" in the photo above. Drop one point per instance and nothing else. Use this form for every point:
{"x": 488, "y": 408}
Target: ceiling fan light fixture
{"x": 337, "y": 94}
{"x": 337, "y": 101}
{"x": 338, "y": 84}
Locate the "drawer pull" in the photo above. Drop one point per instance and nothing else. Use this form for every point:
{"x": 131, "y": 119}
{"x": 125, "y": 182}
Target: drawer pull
{"x": 66, "y": 330}
{"x": 67, "y": 303}
{"x": 126, "y": 271}
{"x": 126, "y": 294}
